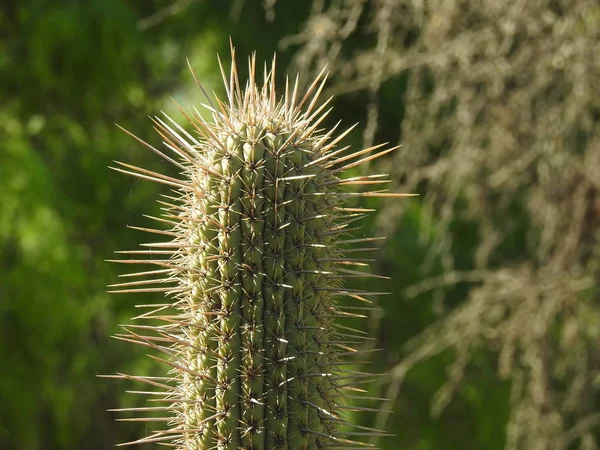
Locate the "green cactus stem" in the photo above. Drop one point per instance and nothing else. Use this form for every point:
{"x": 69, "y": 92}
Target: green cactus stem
{"x": 253, "y": 269}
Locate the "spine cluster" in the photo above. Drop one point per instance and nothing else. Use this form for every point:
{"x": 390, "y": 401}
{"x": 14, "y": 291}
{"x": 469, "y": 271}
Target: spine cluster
{"x": 253, "y": 265}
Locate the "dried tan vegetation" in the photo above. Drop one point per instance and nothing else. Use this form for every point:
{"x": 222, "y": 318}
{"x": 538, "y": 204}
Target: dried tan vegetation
{"x": 501, "y": 129}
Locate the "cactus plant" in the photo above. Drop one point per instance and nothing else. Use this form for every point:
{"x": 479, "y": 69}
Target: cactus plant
{"x": 253, "y": 271}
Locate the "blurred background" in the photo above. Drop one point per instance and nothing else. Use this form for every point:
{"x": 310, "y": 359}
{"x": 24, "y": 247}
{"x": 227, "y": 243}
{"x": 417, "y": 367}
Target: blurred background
{"x": 491, "y": 336}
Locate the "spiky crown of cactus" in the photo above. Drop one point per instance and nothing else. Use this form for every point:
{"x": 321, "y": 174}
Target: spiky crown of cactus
{"x": 257, "y": 357}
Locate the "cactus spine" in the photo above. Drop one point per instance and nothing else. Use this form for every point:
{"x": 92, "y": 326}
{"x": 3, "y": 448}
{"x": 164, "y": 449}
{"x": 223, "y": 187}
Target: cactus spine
{"x": 253, "y": 267}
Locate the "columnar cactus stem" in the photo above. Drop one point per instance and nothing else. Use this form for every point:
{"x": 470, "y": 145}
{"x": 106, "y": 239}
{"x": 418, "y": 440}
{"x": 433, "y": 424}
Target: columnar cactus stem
{"x": 253, "y": 268}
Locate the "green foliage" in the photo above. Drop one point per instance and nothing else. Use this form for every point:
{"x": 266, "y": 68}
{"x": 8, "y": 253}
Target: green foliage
{"x": 63, "y": 92}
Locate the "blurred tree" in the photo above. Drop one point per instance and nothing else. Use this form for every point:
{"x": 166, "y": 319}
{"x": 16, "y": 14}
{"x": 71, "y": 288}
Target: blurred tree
{"x": 68, "y": 72}
{"x": 496, "y": 105}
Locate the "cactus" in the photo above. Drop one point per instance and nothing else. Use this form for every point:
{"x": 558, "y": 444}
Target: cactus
{"x": 253, "y": 269}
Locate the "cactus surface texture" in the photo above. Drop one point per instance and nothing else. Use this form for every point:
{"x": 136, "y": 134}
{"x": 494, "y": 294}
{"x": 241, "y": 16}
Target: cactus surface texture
{"x": 252, "y": 260}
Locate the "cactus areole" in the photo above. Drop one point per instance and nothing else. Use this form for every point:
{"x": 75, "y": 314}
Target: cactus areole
{"x": 252, "y": 261}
